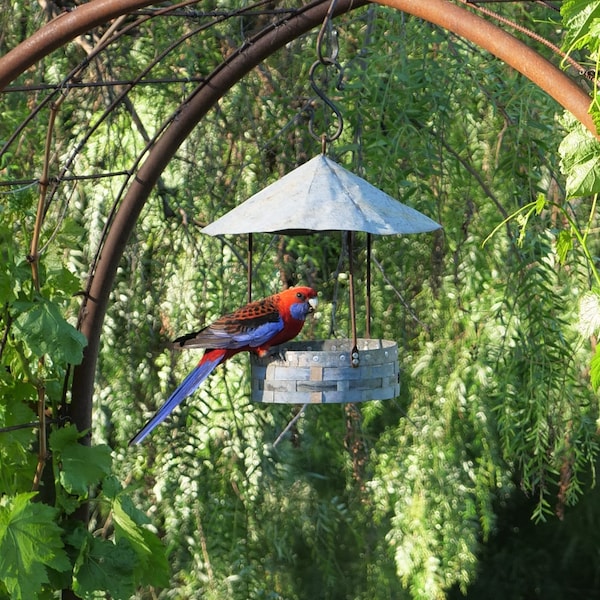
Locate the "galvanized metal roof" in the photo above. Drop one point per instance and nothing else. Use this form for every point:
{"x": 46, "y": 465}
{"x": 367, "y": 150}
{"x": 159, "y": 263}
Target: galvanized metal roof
{"x": 320, "y": 195}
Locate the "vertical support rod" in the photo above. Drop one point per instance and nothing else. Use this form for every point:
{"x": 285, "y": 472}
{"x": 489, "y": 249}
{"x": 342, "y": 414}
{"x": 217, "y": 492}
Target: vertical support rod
{"x": 249, "y": 261}
{"x": 354, "y": 355}
{"x": 368, "y": 275}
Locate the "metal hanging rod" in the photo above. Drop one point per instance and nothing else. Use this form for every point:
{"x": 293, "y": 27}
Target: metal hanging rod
{"x": 26, "y": 182}
{"x": 95, "y": 84}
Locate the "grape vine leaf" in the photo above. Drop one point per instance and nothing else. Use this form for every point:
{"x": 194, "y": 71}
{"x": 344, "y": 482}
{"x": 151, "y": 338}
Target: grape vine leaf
{"x": 579, "y": 16}
{"x": 46, "y": 331}
{"x": 152, "y": 565}
{"x": 30, "y": 542}
{"x": 580, "y": 162}
{"x": 102, "y": 566}
{"x": 16, "y": 461}
{"x": 80, "y": 466}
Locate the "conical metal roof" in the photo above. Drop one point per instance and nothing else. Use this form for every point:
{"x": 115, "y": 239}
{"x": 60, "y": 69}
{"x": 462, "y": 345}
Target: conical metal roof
{"x": 320, "y": 195}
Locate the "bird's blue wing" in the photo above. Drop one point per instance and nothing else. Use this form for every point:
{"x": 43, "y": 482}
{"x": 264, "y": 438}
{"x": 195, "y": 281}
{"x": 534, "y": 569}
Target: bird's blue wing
{"x": 231, "y": 334}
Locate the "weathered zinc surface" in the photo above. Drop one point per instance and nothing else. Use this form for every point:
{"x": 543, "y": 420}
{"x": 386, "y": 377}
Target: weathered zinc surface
{"x": 320, "y": 195}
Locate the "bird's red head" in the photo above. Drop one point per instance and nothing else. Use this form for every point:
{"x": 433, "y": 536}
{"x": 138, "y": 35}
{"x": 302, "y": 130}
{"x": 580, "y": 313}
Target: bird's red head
{"x": 300, "y": 301}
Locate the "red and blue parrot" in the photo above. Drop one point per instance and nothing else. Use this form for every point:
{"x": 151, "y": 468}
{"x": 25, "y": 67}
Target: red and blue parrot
{"x": 254, "y": 327}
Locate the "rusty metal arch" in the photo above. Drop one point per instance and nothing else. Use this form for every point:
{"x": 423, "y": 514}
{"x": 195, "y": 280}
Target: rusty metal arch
{"x": 66, "y": 27}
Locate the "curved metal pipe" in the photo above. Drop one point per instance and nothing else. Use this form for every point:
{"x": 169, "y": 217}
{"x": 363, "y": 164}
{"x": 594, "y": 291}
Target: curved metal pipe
{"x": 507, "y": 48}
{"x": 61, "y": 30}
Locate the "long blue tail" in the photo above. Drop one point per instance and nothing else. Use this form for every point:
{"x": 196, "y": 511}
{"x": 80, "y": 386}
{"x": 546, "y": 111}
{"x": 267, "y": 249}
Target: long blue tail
{"x": 187, "y": 387}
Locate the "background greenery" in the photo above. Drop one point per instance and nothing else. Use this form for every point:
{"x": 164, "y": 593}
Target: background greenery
{"x": 477, "y": 481}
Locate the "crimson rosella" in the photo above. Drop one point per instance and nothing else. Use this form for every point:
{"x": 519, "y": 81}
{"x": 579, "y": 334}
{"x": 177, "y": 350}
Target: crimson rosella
{"x": 254, "y": 327}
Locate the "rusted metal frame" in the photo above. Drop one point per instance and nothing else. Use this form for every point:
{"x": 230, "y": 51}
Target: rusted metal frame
{"x": 62, "y": 86}
{"x": 506, "y": 47}
{"x": 76, "y": 72}
{"x": 42, "y": 87}
{"x": 206, "y": 96}
{"x": 441, "y": 12}
{"x": 61, "y": 30}
{"x": 122, "y": 96}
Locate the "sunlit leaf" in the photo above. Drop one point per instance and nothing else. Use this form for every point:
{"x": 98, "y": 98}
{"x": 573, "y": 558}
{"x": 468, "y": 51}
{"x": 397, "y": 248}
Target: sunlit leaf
{"x": 80, "y": 466}
{"x": 30, "y": 542}
{"x": 579, "y": 17}
{"x": 580, "y": 162}
{"x": 564, "y": 244}
{"x": 595, "y": 369}
{"x": 540, "y": 204}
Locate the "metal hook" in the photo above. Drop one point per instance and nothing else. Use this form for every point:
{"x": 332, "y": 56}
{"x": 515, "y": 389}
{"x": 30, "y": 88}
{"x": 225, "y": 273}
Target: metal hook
{"x": 326, "y": 61}
{"x": 327, "y": 101}
{"x": 327, "y": 27}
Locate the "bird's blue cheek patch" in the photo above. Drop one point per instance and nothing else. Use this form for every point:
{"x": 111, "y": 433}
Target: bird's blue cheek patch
{"x": 299, "y": 311}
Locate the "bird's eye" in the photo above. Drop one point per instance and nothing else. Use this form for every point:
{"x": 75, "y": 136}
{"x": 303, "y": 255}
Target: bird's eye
{"x": 300, "y": 295}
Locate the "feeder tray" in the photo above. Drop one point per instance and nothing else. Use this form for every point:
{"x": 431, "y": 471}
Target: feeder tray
{"x": 320, "y": 372}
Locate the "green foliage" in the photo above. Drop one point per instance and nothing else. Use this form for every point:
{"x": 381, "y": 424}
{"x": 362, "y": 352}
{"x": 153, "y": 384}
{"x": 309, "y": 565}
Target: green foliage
{"x": 419, "y": 497}
{"x": 582, "y": 23}
{"x": 116, "y": 565}
{"x": 44, "y": 330}
{"x": 103, "y": 566}
{"x": 41, "y": 548}
{"x": 78, "y": 467}
{"x": 30, "y": 543}
{"x": 580, "y": 158}
{"x": 581, "y": 17}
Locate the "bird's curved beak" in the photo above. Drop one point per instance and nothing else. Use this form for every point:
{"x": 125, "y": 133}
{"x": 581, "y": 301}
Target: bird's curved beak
{"x": 312, "y": 304}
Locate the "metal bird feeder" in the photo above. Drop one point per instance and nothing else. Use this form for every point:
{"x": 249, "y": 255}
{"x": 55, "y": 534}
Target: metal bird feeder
{"x": 321, "y": 196}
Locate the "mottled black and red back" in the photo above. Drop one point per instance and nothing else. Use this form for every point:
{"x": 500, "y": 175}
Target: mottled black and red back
{"x": 257, "y": 325}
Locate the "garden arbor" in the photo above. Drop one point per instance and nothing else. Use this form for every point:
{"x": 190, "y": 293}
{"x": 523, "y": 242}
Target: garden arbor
{"x": 146, "y": 171}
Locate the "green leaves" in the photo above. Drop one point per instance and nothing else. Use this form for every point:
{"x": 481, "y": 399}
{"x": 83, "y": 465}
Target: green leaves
{"x": 581, "y": 18}
{"x": 103, "y": 566}
{"x": 151, "y": 563}
{"x": 116, "y": 566}
{"x": 79, "y": 466}
{"x": 31, "y": 532}
{"x": 595, "y": 369}
{"x": 30, "y": 543}
{"x": 580, "y": 161}
{"x": 45, "y": 331}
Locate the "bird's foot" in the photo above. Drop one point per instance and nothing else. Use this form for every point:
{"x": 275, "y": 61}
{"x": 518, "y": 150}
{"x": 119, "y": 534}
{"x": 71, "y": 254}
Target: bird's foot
{"x": 277, "y": 352}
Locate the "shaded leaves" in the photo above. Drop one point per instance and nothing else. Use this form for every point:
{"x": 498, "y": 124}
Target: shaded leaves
{"x": 45, "y": 331}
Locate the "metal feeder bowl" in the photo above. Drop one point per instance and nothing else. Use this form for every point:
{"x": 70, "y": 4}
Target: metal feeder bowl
{"x": 320, "y": 372}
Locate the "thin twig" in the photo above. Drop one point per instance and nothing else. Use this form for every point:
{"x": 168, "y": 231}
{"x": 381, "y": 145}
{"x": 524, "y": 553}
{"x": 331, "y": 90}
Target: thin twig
{"x": 34, "y": 261}
{"x": 290, "y": 425}
{"x": 410, "y": 311}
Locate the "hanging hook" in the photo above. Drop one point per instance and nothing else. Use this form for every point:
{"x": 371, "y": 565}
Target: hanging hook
{"x": 327, "y": 34}
{"x": 327, "y": 28}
